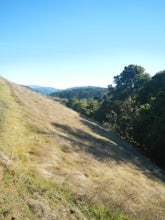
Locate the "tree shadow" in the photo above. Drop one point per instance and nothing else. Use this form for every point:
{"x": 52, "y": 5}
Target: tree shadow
{"x": 103, "y": 144}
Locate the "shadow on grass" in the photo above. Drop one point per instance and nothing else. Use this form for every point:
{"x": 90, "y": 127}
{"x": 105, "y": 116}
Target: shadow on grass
{"x": 104, "y": 144}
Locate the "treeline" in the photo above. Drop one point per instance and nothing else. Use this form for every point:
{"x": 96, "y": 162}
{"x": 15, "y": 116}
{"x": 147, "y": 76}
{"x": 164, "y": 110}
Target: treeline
{"x": 134, "y": 107}
{"x": 79, "y": 93}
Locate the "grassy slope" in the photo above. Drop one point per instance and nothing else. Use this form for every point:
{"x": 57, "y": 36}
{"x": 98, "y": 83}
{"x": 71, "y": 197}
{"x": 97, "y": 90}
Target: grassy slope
{"x": 55, "y": 164}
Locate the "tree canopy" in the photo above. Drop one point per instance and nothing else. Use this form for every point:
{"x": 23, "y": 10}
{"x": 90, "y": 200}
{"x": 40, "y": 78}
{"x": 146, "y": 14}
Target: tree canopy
{"x": 134, "y": 108}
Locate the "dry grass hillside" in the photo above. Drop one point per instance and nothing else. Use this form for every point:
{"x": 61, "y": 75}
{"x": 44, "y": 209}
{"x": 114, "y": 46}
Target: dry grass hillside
{"x": 55, "y": 164}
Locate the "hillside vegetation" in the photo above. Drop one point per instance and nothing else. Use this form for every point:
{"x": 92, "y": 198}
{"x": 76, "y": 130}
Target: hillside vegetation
{"x": 55, "y": 164}
{"x": 80, "y": 93}
{"x": 134, "y": 107}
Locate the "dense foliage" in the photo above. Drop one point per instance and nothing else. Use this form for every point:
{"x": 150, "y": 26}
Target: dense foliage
{"x": 134, "y": 107}
{"x": 87, "y": 107}
{"x": 80, "y": 93}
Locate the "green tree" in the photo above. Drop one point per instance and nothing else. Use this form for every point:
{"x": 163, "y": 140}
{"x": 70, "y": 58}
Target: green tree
{"x": 121, "y": 103}
{"x": 148, "y": 128}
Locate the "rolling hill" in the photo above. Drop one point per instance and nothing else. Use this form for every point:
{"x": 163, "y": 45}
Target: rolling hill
{"x": 55, "y": 164}
{"x": 44, "y": 90}
{"x": 80, "y": 92}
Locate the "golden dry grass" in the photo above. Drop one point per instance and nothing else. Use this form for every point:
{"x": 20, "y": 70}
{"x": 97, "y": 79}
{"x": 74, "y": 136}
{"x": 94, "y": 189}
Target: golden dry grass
{"x": 77, "y": 155}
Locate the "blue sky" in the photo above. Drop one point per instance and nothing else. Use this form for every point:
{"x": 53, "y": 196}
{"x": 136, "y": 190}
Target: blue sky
{"x": 65, "y": 43}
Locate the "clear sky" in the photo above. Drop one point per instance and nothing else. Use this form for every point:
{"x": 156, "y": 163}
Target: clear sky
{"x": 65, "y": 43}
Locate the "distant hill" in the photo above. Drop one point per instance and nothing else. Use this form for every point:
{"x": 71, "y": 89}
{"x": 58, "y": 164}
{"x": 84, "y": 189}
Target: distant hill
{"x": 44, "y": 90}
{"x": 81, "y": 92}
{"x": 83, "y": 87}
{"x": 55, "y": 164}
